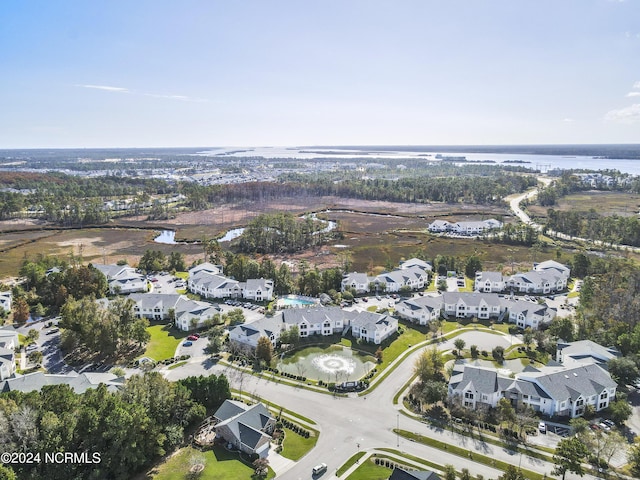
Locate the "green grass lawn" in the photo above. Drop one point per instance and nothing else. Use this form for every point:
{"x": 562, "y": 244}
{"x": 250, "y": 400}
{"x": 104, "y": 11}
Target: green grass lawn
{"x": 347, "y": 465}
{"x": 219, "y": 465}
{"x": 163, "y": 343}
{"x": 468, "y": 285}
{"x": 183, "y": 275}
{"x": 370, "y": 471}
{"x": 296, "y": 446}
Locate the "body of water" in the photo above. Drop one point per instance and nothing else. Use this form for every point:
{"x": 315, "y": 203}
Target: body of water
{"x": 541, "y": 162}
{"x": 333, "y": 364}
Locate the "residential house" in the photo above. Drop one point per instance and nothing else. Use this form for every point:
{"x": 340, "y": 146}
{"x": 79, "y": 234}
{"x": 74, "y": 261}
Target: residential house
{"x": 402, "y": 474}
{"x": 373, "y": 327}
{"x": 247, "y": 428}
{"x": 472, "y": 304}
{"x": 246, "y": 336}
{"x": 356, "y": 281}
{"x": 122, "y": 279}
{"x": 439, "y": 226}
{"x": 8, "y": 343}
{"x": 416, "y": 262}
{"x": 489, "y": 282}
{"x": 538, "y": 282}
{"x": 206, "y": 267}
{"x": 585, "y": 351}
{"x": 421, "y": 310}
{"x": 464, "y": 227}
{"x": 554, "y": 390}
{"x": 5, "y": 300}
{"x": 154, "y": 306}
{"x": 529, "y": 314}
{"x": 211, "y": 285}
{"x": 413, "y": 277}
{"x": 257, "y": 290}
{"x": 552, "y": 266}
{"x": 79, "y": 382}
{"x": 187, "y": 314}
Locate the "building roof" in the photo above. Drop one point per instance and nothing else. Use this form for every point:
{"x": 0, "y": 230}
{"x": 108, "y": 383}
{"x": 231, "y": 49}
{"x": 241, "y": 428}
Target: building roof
{"x": 359, "y": 278}
{"x": 372, "y": 321}
{"x": 401, "y": 474}
{"x": 571, "y": 381}
{"x": 245, "y": 422}
{"x": 586, "y": 351}
{"x": 552, "y": 265}
{"x": 490, "y": 276}
{"x": 471, "y": 298}
{"x": 416, "y": 262}
{"x": 79, "y": 382}
{"x": 153, "y": 300}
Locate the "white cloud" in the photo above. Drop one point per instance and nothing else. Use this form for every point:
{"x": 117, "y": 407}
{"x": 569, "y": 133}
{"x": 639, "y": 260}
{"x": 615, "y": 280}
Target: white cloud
{"x": 629, "y": 114}
{"x": 633, "y": 94}
{"x": 636, "y": 86}
{"x": 183, "y": 98}
{"x": 106, "y": 87}
{"x": 567, "y": 120}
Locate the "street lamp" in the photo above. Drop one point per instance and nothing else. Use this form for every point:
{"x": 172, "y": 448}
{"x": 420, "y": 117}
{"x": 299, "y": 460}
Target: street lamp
{"x": 398, "y": 430}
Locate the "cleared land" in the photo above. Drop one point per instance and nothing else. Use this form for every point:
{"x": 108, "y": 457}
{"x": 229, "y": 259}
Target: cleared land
{"x": 604, "y": 203}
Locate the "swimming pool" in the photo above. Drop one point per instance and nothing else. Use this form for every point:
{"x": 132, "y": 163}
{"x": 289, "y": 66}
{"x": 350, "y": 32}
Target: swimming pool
{"x": 297, "y": 301}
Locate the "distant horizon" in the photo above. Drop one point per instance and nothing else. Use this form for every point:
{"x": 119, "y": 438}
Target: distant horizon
{"x": 341, "y": 146}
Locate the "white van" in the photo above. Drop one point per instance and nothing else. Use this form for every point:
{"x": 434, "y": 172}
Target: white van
{"x": 318, "y": 469}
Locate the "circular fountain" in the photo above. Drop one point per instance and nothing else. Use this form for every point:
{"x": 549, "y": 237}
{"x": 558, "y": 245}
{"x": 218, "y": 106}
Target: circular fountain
{"x": 332, "y": 363}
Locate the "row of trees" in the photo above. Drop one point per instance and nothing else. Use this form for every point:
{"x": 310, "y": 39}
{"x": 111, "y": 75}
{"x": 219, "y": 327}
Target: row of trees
{"x": 156, "y": 261}
{"x": 95, "y": 329}
{"x": 613, "y": 229}
{"x": 129, "y": 428}
{"x": 282, "y": 233}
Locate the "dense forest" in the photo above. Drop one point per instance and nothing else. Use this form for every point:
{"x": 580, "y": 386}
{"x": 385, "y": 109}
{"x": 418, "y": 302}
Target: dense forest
{"x": 128, "y": 428}
{"x": 612, "y": 229}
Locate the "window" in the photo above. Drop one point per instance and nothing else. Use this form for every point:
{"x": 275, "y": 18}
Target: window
{"x": 468, "y": 395}
{"x": 603, "y": 395}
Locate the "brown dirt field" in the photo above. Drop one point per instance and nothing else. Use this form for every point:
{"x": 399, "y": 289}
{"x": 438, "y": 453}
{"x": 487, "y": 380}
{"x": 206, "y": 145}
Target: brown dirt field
{"x": 604, "y": 203}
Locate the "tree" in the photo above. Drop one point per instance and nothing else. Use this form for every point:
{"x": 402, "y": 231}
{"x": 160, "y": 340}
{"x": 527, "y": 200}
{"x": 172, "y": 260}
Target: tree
{"x": 506, "y": 412}
{"x": 562, "y": 328}
{"x": 498, "y": 353}
{"x": 473, "y": 349}
{"x": 527, "y": 337}
{"x": 449, "y": 472}
{"x": 216, "y": 339}
{"x": 429, "y": 365}
{"x": 176, "y": 262}
{"x": 433, "y": 391}
{"x": 35, "y": 357}
{"x": 634, "y": 456}
{"x": 379, "y": 353}
{"x": 512, "y": 473}
{"x": 6, "y": 473}
{"x": 472, "y": 266}
{"x": 264, "y": 350}
{"x": 623, "y": 370}
{"x": 261, "y": 466}
{"x": 620, "y": 410}
{"x": 33, "y": 335}
{"x": 570, "y": 453}
{"x": 20, "y": 310}
{"x": 459, "y": 343}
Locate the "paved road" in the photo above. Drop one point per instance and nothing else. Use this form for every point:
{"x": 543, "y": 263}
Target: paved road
{"x": 368, "y": 421}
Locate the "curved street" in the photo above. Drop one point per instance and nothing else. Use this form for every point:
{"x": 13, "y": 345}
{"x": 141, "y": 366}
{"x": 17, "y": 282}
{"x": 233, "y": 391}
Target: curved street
{"x": 350, "y": 424}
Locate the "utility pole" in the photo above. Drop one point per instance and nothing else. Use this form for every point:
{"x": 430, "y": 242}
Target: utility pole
{"x": 398, "y": 430}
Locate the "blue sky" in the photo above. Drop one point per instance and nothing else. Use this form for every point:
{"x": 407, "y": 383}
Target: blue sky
{"x": 114, "y": 73}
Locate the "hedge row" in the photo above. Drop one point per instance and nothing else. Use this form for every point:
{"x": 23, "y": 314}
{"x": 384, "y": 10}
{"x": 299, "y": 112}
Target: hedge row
{"x": 296, "y": 428}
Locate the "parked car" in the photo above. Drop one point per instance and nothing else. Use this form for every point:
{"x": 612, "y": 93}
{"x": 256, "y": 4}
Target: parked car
{"x": 365, "y": 299}
{"x": 192, "y": 338}
{"x": 31, "y": 347}
{"x": 318, "y": 469}
{"x": 542, "y": 426}
{"x": 187, "y": 344}
{"x": 53, "y": 330}
{"x": 197, "y": 335}
{"x": 604, "y": 427}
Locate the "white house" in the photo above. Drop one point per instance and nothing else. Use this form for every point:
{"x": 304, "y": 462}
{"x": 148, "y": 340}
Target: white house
{"x": 489, "y": 282}
{"x": 439, "y": 226}
{"x": 154, "y": 306}
{"x": 553, "y": 390}
{"x": 5, "y": 300}
{"x": 246, "y": 427}
{"x": 413, "y": 277}
{"x": 9, "y": 341}
{"x": 206, "y": 267}
{"x": 122, "y": 278}
{"x": 538, "y": 282}
{"x": 191, "y": 314}
{"x": 421, "y": 310}
{"x": 552, "y": 265}
{"x": 464, "y": 227}
{"x": 211, "y": 285}
{"x": 258, "y": 290}
{"x": 358, "y": 281}
{"x": 373, "y": 327}
{"x": 529, "y": 314}
{"x": 472, "y": 304}
{"x": 584, "y": 351}
{"x": 188, "y": 314}
{"x": 416, "y": 262}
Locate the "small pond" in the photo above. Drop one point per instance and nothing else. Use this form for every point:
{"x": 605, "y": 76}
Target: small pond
{"x": 329, "y": 364}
